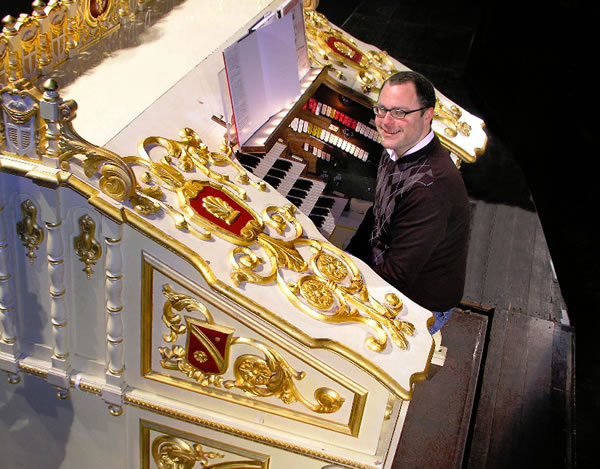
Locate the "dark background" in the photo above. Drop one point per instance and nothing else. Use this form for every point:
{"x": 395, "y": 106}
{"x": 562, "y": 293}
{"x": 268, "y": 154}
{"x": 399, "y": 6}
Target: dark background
{"x": 528, "y": 70}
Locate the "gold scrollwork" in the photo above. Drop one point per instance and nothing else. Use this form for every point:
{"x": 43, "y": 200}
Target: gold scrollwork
{"x": 451, "y": 117}
{"x": 171, "y": 452}
{"x": 273, "y": 376}
{"x": 267, "y": 376}
{"x": 117, "y": 179}
{"x": 191, "y": 153}
{"x": 333, "y": 292}
{"x": 179, "y": 302}
{"x": 86, "y": 247}
{"x": 28, "y": 230}
{"x": 330, "y": 46}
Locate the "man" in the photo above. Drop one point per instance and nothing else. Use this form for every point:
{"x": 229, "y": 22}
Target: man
{"x": 416, "y": 234}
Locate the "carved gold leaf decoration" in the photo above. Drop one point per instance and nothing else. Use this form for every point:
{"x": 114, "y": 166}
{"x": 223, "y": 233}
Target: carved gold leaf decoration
{"x": 316, "y": 292}
{"x": 220, "y": 209}
{"x": 170, "y": 452}
{"x": 273, "y": 376}
{"x": 87, "y": 248}
{"x": 28, "y": 230}
{"x": 284, "y": 252}
{"x": 264, "y": 376}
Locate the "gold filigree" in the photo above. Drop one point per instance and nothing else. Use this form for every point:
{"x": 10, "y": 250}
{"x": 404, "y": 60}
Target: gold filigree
{"x": 332, "y": 267}
{"x": 284, "y": 252}
{"x": 179, "y": 302}
{"x": 117, "y": 179}
{"x": 191, "y": 154}
{"x": 273, "y": 376}
{"x": 451, "y": 117}
{"x": 86, "y": 247}
{"x": 28, "y": 230}
{"x": 267, "y": 376}
{"x": 334, "y": 292}
{"x": 245, "y": 265}
{"x": 171, "y": 452}
{"x": 316, "y": 292}
{"x": 328, "y": 45}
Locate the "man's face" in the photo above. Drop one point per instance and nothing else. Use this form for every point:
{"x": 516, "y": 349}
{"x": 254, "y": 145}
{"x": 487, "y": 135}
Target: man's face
{"x": 401, "y": 135}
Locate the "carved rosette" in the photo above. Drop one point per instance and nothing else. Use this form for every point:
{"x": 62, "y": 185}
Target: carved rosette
{"x": 205, "y": 357}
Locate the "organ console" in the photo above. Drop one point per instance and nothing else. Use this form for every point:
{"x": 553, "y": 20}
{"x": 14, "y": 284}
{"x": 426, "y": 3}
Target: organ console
{"x": 187, "y": 299}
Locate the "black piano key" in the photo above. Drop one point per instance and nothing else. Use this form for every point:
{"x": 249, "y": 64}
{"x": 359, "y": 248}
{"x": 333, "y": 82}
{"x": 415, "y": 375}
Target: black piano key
{"x": 284, "y": 165}
{"x": 298, "y": 193}
{"x": 303, "y": 184}
{"x": 246, "y": 159}
{"x": 276, "y": 173}
{"x": 317, "y": 220}
{"x": 325, "y": 202}
{"x": 295, "y": 200}
{"x": 273, "y": 181}
{"x": 319, "y": 211}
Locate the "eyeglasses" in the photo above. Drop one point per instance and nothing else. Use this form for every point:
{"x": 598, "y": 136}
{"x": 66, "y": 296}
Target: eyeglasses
{"x": 396, "y": 113}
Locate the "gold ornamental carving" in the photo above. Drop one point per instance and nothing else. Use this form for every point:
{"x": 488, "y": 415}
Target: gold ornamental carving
{"x": 169, "y": 448}
{"x": 267, "y": 246}
{"x": 331, "y": 46}
{"x": 221, "y": 209}
{"x": 450, "y": 116}
{"x": 265, "y": 375}
{"x": 30, "y": 233}
{"x": 330, "y": 288}
{"x": 87, "y": 248}
{"x": 171, "y": 452}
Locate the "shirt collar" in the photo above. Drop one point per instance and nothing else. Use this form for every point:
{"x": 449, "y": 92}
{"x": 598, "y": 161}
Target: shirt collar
{"x": 422, "y": 143}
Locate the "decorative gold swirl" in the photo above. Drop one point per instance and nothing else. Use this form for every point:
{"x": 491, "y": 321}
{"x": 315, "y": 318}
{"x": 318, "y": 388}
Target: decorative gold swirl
{"x": 268, "y": 376}
{"x": 117, "y": 178}
{"x": 273, "y": 376}
{"x": 450, "y": 116}
{"x": 170, "y": 452}
{"x": 178, "y": 302}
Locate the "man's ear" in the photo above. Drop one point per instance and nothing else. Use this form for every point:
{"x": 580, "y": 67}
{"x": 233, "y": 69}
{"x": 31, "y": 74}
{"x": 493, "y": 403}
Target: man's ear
{"x": 429, "y": 114}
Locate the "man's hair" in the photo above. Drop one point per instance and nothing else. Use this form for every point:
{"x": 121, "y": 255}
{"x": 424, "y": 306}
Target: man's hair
{"x": 424, "y": 88}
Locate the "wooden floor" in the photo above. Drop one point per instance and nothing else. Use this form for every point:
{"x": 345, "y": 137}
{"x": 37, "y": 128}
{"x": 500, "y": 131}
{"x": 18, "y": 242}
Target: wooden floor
{"x": 524, "y": 414}
{"x": 504, "y": 397}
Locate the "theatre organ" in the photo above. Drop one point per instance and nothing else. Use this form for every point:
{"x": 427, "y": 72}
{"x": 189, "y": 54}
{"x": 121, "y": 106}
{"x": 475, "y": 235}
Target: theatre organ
{"x": 173, "y": 289}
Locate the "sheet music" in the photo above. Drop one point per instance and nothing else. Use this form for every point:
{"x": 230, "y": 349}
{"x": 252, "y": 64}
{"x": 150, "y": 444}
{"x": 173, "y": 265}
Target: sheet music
{"x": 262, "y": 73}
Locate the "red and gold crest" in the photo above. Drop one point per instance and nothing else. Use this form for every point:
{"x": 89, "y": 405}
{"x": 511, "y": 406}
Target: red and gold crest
{"x": 220, "y": 211}
{"x": 344, "y": 50}
{"x": 207, "y": 347}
